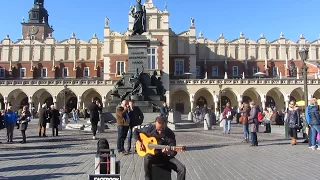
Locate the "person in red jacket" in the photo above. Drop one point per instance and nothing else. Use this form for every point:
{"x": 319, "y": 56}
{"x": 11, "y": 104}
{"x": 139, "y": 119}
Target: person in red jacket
{"x": 227, "y": 115}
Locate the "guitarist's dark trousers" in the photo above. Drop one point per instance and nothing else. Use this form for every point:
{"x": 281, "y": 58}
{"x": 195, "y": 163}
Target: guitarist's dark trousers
{"x": 171, "y": 163}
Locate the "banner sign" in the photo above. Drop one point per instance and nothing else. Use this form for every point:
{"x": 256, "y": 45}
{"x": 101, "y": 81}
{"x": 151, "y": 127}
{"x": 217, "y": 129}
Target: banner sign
{"x": 105, "y": 177}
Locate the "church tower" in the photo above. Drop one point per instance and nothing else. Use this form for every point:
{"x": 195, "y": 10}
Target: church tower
{"x": 37, "y": 26}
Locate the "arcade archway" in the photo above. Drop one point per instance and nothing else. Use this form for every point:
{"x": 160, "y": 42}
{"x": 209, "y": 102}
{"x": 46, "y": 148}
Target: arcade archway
{"x": 17, "y": 99}
{"x": 297, "y": 94}
{"x": 275, "y": 98}
{"x": 67, "y": 98}
{"x": 180, "y": 101}
{"x": 88, "y": 95}
{"x": 252, "y": 94}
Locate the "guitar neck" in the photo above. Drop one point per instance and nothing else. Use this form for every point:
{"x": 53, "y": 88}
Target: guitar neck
{"x": 155, "y": 146}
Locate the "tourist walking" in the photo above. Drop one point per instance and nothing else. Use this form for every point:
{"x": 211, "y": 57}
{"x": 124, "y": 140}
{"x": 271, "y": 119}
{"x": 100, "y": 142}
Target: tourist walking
{"x": 227, "y": 114}
{"x": 293, "y": 121}
{"x": 94, "y": 108}
{"x": 164, "y": 110}
{"x": 10, "y": 120}
{"x": 313, "y": 119}
{"x": 266, "y": 120}
{"x": 54, "y": 120}
{"x": 253, "y": 123}
{"x": 245, "y": 112}
{"x": 135, "y": 119}
{"x": 122, "y": 116}
{"x": 43, "y": 119}
{"x": 75, "y": 115}
{"x": 23, "y": 120}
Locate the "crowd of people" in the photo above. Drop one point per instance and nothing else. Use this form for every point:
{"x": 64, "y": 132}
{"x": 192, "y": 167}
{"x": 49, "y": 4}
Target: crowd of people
{"x": 11, "y": 119}
{"x": 295, "y": 118}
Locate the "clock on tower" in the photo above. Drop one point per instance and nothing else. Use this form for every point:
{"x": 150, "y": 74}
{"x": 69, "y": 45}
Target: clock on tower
{"x": 37, "y": 26}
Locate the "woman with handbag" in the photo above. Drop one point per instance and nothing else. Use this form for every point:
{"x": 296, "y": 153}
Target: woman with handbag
{"x": 293, "y": 121}
{"x": 245, "y": 112}
{"x": 23, "y": 121}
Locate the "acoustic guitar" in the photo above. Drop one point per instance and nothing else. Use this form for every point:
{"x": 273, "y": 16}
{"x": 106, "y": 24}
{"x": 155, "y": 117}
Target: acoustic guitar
{"x": 151, "y": 144}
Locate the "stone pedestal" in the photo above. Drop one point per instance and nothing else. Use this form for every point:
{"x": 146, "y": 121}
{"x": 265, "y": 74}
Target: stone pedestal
{"x": 174, "y": 117}
{"x": 60, "y": 125}
{"x": 207, "y": 125}
{"x": 137, "y": 53}
{"x": 101, "y": 125}
{"x": 190, "y": 116}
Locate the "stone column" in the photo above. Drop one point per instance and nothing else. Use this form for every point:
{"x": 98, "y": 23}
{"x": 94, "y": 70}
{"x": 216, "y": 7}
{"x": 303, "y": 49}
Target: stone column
{"x": 30, "y": 101}
{"x": 263, "y": 101}
{"x": 287, "y": 100}
{"x": 239, "y": 99}
{"x": 55, "y": 101}
{"x": 104, "y": 101}
{"x": 190, "y": 116}
{"x": 216, "y": 103}
{"x": 168, "y": 98}
{"x": 30, "y": 106}
{"x": 239, "y": 105}
{"x": 5, "y": 100}
{"x": 79, "y": 102}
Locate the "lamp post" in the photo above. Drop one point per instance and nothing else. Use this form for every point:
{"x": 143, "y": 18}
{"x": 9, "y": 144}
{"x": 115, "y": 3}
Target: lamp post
{"x": 303, "y": 52}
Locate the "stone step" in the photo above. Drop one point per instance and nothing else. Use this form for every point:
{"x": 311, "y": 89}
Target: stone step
{"x": 75, "y": 126}
{"x": 184, "y": 125}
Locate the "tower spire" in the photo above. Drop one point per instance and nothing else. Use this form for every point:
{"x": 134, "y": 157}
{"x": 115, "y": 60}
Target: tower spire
{"x": 37, "y": 25}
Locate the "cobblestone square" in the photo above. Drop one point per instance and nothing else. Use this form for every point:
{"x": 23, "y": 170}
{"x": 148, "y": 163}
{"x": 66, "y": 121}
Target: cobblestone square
{"x": 210, "y": 155}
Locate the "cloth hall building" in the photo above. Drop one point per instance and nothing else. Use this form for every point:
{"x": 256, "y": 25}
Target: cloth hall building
{"x": 38, "y": 69}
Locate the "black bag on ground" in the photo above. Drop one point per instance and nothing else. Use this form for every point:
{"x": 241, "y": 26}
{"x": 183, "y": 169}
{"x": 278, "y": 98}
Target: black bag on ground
{"x": 104, "y": 159}
{"x": 102, "y": 144}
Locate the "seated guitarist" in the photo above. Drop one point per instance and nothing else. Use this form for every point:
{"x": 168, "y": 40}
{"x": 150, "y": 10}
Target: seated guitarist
{"x": 164, "y": 136}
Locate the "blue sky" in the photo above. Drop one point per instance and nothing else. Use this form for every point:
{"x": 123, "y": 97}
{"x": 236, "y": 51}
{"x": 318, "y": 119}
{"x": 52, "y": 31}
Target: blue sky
{"x": 212, "y": 17}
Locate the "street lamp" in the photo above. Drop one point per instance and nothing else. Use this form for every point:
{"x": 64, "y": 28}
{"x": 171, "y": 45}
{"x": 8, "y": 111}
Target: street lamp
{"x": 303, "y": 52}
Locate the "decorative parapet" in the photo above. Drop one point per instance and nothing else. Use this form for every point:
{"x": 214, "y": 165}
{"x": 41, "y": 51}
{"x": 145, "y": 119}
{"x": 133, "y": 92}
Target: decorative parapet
{"x": 93, "y": 82}
{"x": 242, "y": 81}
{"x": 56, "y": 82}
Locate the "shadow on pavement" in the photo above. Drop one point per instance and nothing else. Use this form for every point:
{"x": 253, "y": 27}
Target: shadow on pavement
{"x": 275, "y": 144}
{"x": 53, "y": 155}
{"x": 24, "y": 154}
{"x": 41, "y": 176}
{"x": 54, "y": 146}
{"x": 37, "y": 167}
{"x": 198, "y": 148}
{"x": 55, "y": 140}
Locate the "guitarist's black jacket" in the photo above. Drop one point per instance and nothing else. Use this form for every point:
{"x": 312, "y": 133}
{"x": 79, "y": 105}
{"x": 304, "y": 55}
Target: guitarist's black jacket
{"x": 167, "y": 138}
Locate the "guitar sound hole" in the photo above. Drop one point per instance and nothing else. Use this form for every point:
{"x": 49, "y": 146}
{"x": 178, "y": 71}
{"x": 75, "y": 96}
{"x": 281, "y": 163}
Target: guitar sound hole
{"x": 152, "y": 141}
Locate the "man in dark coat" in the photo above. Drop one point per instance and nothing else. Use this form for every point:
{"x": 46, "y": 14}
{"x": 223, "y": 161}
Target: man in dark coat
{"x": 43, "y": 118}
{"x": 54, "y": 120}
{"x": 135, "y": 119}
{"x": 95, "y": 109}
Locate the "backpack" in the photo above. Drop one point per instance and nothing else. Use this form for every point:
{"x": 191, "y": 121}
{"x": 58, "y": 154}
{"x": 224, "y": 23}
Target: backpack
{"x": 260, "y": 116}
